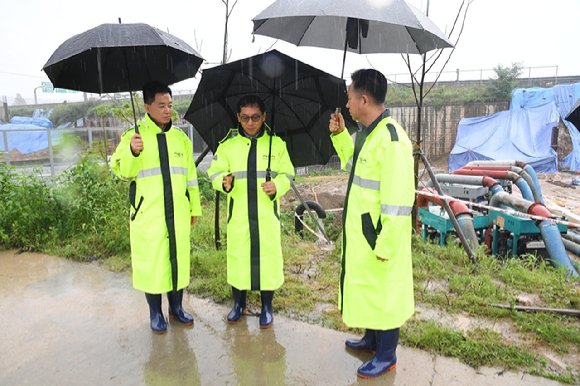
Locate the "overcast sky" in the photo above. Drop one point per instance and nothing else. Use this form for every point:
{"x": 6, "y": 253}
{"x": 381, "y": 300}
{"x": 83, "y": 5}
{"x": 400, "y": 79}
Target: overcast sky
{"x": 533, "y": 32}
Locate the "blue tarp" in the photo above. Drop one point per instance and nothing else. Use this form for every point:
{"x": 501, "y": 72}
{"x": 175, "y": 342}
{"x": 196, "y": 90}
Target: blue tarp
{"x": 522, "y": 134}
{"x": 564, "y": 97}
{"x": 41, "y": 113}
{"x": 27, "y": 141}
{"x": 47, "y": 124}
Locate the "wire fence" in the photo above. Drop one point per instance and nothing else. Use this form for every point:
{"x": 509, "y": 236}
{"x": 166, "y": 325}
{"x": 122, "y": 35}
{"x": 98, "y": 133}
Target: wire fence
{"x": 548, "y": 74}
{"x": 49, "y": 152}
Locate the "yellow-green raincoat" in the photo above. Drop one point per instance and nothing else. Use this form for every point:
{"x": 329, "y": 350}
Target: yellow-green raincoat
{"x": 377, "y": 222}
{"x": 164, "y": 195}
{"x": 254, "y": 252}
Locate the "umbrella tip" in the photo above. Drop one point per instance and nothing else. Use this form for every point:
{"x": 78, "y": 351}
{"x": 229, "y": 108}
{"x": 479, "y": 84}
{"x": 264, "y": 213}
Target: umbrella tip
{"x": 119, "y": 20}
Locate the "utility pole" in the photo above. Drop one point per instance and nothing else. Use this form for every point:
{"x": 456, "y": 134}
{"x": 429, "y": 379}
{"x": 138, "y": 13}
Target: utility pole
{"x": 5, "y": 108}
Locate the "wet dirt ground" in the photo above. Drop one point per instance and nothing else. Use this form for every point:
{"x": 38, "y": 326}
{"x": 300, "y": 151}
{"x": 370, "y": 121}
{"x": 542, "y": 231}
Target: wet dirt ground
{"x": 68, "y": 323}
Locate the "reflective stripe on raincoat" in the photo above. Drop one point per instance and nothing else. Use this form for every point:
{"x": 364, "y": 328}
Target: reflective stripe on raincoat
{"x": 377, "y": 222}
{"x": 254, "y": 251}
{"x": 165, "y": 196}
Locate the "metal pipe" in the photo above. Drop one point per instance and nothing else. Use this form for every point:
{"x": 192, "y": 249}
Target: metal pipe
{"x": 572, "y": 237}
{"x": 528, "y": 168}
{"x": 562, "y": 311}
{"x": 459, "y": 209}
{"x": 572, "y": 247}
{"x": 488, "y": 182}
{"x": 320, "y": 227}
{"x": 500, "y": 174}
{"x": 447, "y": 208}
{"x": 521, "y": 172}
{"x": 549, "y": 230}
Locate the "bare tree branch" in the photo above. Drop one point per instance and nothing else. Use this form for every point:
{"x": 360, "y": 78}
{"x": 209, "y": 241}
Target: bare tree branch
{"x": 453, "y": 50}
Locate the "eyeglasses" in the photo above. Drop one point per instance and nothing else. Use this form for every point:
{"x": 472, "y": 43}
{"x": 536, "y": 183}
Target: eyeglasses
{"x": 246, "y": 119}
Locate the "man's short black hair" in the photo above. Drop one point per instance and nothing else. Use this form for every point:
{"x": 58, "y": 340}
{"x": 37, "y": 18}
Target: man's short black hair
{"x": 153, "y": 88}
{"x": 372, "y": 83}
{"x": 251, "y": 101}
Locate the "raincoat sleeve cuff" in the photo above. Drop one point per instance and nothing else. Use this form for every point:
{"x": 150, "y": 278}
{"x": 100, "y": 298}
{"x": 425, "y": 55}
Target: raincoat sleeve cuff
{"x": 124, "y": 164}
{"x": 343, "y": 145}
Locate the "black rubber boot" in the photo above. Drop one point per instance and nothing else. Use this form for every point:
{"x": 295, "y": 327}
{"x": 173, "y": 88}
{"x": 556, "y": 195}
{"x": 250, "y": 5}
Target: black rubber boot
{"x": 158, "y": 324}
{"x": 385, "y": 359}
{"x": 239, "y": 308}
{"x": 175, "y": 310}
{"x": 267, "y": 316}
{"x": 368, "y": 343}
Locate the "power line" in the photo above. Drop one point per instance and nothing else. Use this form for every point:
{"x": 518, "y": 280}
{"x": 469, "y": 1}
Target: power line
{"x": 29, "y": 76}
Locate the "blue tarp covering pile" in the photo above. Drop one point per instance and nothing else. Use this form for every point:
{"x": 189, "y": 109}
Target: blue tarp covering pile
{"x": 29, "y": 140}
{"x": 564, "y": 97}
{"x": 32, "y": 121}
{"x": 522, "y": 134}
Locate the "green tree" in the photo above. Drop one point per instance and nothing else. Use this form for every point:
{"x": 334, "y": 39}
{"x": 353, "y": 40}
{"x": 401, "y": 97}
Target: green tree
{"x": 68, "y": 112}
{"x": 506, "y": 79}
{"x": 19, "y": 101}
{"x": 124, "y": 112}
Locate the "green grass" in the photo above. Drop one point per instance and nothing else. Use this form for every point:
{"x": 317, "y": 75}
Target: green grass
{"x": 83, "y": 216}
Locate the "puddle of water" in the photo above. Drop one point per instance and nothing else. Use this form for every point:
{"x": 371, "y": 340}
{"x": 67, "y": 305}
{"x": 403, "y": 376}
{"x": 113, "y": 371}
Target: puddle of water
{"x": 69, "y": 323}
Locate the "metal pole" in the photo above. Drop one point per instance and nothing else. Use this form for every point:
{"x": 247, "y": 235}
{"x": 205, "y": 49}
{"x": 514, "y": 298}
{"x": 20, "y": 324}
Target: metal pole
{"x": 35, "y": 102}
{"x": 447, "y": 208}
{"x": 218, "y": 242}
{"x": 6, "y": 155}
{"x": 50, "y": 154}
{"x": 90, "y": 138}
{"x": 561, "y": 311}
{"x": 320, "y": 228}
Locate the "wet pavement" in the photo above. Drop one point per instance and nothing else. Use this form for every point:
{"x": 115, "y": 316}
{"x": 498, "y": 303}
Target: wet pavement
{"x": 68, "y": 323}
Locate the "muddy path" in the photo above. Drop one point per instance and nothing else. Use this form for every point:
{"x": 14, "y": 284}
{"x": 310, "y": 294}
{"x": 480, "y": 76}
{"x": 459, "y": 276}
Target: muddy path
{"x": 69, "y": 323}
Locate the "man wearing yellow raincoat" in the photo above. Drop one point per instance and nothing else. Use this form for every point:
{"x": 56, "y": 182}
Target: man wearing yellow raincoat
{"x": 164, "y": 196}
{"x": 376, "y": 281}
{"x": 253, "y": 167}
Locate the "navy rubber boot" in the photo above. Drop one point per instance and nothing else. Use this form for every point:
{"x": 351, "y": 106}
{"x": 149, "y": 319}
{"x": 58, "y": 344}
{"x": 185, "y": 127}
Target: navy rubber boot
{"x": 158, "y": 324}
{"x": 175, "y": 309}
{"x": 385, "y": 358}
{"x": 267, "y": 315}
{"x": 368, "y": 343}
{"x": 239, "y": 308}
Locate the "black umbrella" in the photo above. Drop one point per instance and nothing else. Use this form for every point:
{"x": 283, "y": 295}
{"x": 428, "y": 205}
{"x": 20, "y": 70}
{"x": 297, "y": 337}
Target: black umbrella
{"x": 299, "y": 100}
{"x": 121, "y": 57}
{"x": 574, "y": 114}
{"x": 361, "y": 26}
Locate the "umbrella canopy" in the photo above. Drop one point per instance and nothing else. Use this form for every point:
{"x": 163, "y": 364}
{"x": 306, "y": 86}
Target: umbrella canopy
{"x": 121, "y": 57}
{"x": 299, "y": 100}
{"x": 574, "y": 114}
{"x": 355, "y": 25}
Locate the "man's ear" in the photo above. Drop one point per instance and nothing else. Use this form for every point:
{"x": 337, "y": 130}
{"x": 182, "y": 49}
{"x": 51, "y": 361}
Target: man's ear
{"x": 147, "y": 107}
{"x": 365, "y": 99}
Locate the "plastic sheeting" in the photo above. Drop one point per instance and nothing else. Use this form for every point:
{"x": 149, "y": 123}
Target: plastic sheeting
{"x": 27, "y": 138}
{"x": 522, "y": 134}
{"x": 47, "y": 124}
{"x": 41, "y": 113}
{"x": 564, "y": 97}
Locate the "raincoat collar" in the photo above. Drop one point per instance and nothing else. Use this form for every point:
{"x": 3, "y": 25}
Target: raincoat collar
{"x": 369, "y": 129}
{"x": 151, "y": 123}
{"x": 234, "y": 132}
{"x": 258, "y": 135}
